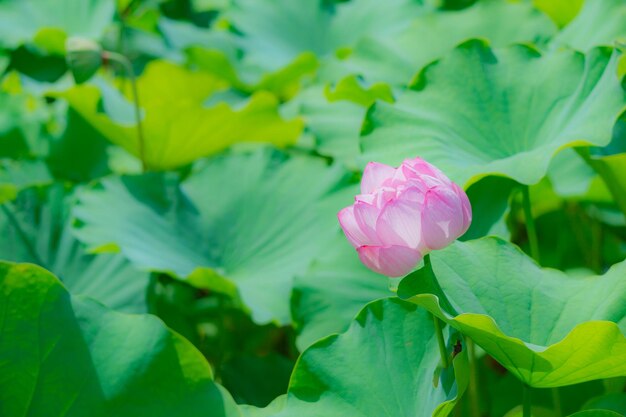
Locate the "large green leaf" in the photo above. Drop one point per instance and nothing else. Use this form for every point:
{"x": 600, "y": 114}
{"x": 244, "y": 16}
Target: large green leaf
{"x": 508, "y": 112}
{"x": 276, "y": 32}
{"x": 397, "y": 58}
{"x": 547, "y": 328}
{"x": 333, "y": 125}
{"x": 600, "y": 22}
{"x": 330, "y": 294}
{"x": 36, "y": 228}
{"x": 386, "y": 364}
{"x": 20, "y": 20}
{"x": 70, "y": 356}
{"x": 254, "y": 220}
{"x": 178, "y": 127}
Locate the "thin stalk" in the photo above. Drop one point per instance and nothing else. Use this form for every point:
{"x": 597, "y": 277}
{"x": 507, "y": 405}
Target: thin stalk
{"x": 531, "y": 230}
{"x": 474, "y": 397}
{"x": 438, "y": 331}
{"x": 22, "y": 235}
{"x": 440, "y": 340}
{"x": 527, "y": 404}
{"x": 556, "y": 401}
{"x": 128, "y": 68}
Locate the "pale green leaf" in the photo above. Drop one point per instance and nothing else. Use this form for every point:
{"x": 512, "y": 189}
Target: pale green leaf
{"x": 547, "y": 328}
{"x": 254, "y": 219}
{"x": 20, "y": 20}
{"x": 508, "y": 112}
{"x": 600, "y": 22}
{"x": 177, "y": 127}
{"x": 36, "y": 228}
{"x": 385, "y": 364}
{"x": 329, "y": 295}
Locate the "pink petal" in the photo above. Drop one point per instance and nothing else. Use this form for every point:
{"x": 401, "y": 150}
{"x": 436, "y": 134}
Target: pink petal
{"x": 374, "y": 175}
{"x": 350, "y": 227}
{"x": 399, "y": 222}
{"x": 366, "y": 216}
{"x": 419, "y": 167}
{"x": 442, "y": 219}
{"x": 366, "y": 198}
{"x": 467, "y": 207}
{"x": 392, "y": 261}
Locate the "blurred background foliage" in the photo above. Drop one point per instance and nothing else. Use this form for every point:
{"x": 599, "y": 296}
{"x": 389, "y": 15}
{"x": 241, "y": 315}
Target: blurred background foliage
{"x": 256, "y": 117}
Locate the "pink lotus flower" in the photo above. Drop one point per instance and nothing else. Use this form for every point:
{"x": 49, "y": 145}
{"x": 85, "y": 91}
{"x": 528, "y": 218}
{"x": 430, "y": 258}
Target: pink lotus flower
{"x": 402, "y": 214}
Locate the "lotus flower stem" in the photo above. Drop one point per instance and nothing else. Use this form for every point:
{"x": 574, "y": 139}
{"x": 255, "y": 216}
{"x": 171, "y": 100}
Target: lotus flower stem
{"x": 531, "y": 230}
{"x": 474, "y": 396}
{"x": 128, "y": 68}
{"x": 527, "y": 402}
{"x": 441, "y": 341}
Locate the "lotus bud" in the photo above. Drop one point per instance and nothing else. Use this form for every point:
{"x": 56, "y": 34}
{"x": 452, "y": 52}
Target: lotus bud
{"x": 402, "y": 214}
{"x": 84, "y": 58}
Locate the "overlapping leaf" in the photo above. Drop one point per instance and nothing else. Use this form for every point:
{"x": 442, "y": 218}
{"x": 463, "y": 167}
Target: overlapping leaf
{"x": 17, "y": 175}
{"x": 70, "y": 356}
{"x": 275, "y": 33}
{"x": 508, "y": 112}
{"x": 178, "y": 127}
{"x": 21, "y": 20}
{"x": 600, "y": 22}
{"x": 36, "y": 228}
{"x": 549, "y": 329}
{"x": 334, "y": 289}
{"x": 397, "y": 58}
{"x": 395, "y": 372}
{"x": 252, "y": 220}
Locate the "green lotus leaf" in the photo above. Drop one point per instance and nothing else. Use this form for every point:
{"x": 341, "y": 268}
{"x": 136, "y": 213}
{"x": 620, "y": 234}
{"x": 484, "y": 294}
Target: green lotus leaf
{"x": 614, "y": 401}
{"x": 490, "y": 197}
{"x": 352, "y": 89}
{"x": 215, "y": 51}
{"x": 178, "y": 128}
{"x": 508, "y": 112}
{"x": 331, "y": 293}
{"x": 70, "y": 356}
{"x": 21, "y": 20}
{"x": 547, "y": 328}
{"x": 22, "y": 117}
{"x": 80, "y": 138}
{"x": 272, "y": 409}
{"x": 561, "y": 11}
{"x": 276, "y": 32}
{"x": 397, "y": 355}
{"x": 20, "y": 174}
{"x": 395, "y": 59}
{"x": 255, "y": 220}
{"x": 596, "y": 413}
{"x": 600, "y": 22}
{"x": 333, "y": 125}
{"x": 569, "y": 175}
{"x": 36, "y": 228}
{"x": 612, "y": 170}
{"x": 283, "y": 82}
